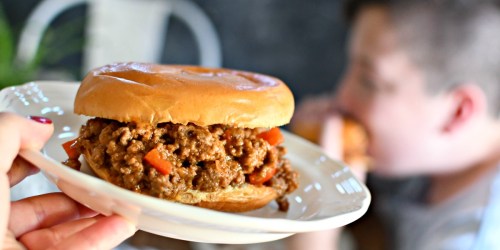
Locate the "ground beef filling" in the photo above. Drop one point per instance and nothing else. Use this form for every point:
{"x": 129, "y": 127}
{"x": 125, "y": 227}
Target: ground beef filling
{"x": 203, "y": 158}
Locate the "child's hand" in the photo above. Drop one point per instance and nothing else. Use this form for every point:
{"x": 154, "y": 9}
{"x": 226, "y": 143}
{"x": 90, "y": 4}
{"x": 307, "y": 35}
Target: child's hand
{"x": 331, "y": 142}
{"x": 317, "y": 120}
{"x": 309, "y": 116}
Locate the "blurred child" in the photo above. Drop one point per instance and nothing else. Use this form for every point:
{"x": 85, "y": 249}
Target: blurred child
{"x": 424, "y": 79}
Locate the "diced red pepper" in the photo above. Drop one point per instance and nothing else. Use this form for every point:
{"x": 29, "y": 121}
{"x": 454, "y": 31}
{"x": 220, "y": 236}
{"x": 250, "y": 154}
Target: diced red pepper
{"x": 273, "y": 136}
{"x": 70, "y": 148}
{"x": 154, "y": 159}
{"x": 258, "y": 178}
{"x": 227, "y": 135}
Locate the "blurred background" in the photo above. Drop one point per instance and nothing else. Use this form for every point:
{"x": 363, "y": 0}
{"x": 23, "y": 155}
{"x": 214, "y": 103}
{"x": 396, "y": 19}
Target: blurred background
{"x": 301, "y": 42}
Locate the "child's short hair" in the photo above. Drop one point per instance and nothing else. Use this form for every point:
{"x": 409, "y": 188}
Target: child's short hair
{"x": 453, "y": 41}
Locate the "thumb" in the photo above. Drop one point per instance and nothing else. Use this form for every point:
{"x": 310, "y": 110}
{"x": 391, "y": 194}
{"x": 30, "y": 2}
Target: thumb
{"x": 331, "y": 141}
{"x": 331, "y": 136}
{"x": 35, "y": 132}
{"x": 18, "y": 133}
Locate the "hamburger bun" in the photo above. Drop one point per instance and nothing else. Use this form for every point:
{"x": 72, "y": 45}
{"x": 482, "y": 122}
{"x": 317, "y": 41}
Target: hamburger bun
{"x": 184, "y": 94}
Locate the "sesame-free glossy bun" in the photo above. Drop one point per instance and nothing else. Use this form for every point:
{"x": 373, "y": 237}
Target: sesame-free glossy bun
{"x": 140, "y": 92}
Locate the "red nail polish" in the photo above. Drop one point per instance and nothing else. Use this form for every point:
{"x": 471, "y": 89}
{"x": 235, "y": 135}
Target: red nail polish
{"x": 40, "y": 119}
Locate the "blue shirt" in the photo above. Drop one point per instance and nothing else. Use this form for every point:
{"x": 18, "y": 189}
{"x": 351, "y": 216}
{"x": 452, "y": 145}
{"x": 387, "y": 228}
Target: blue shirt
{"x": 468, "y": 220}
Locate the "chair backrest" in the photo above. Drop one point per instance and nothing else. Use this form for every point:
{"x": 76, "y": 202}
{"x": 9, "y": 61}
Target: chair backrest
{"x": 124, "y": 30}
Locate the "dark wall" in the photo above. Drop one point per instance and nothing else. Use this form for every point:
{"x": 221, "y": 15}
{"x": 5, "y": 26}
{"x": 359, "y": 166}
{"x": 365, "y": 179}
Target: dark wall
{"x": 301, "y": 42}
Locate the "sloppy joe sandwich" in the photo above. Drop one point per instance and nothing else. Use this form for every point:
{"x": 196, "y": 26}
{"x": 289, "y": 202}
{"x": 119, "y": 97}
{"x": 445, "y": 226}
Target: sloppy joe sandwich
{"x": 309, "y": 121}
{"x": 202, "y": 136}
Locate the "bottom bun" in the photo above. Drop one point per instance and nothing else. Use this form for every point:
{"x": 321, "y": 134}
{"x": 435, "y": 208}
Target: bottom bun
{"x": 231, "y": 199}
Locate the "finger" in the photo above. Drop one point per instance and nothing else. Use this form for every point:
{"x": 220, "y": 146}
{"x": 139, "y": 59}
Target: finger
{"x": 18, "y": 132}
{"x": 10, "y": 242}
{"x": 44, "y": 211}
{"x": 106, "y": 233}
{"x": 307, "y": 120}
{"x": 47, "y": 237}
{"x": 4, "y": 205}
{"x": 20, "y": 169}
{"x": 331, "y": 136}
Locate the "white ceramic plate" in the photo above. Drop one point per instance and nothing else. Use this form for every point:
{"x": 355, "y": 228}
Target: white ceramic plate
{"x": 329, "y": 195}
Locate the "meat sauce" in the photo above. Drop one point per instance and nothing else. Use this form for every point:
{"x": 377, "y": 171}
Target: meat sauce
{"x": 207, "y": 158}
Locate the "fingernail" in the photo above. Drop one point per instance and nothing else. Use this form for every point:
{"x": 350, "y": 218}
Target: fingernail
{"x": 40, "y": 119}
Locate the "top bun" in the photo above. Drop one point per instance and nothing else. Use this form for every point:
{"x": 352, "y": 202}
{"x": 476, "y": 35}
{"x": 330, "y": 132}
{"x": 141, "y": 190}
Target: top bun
{"x": 140, "y": 92}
